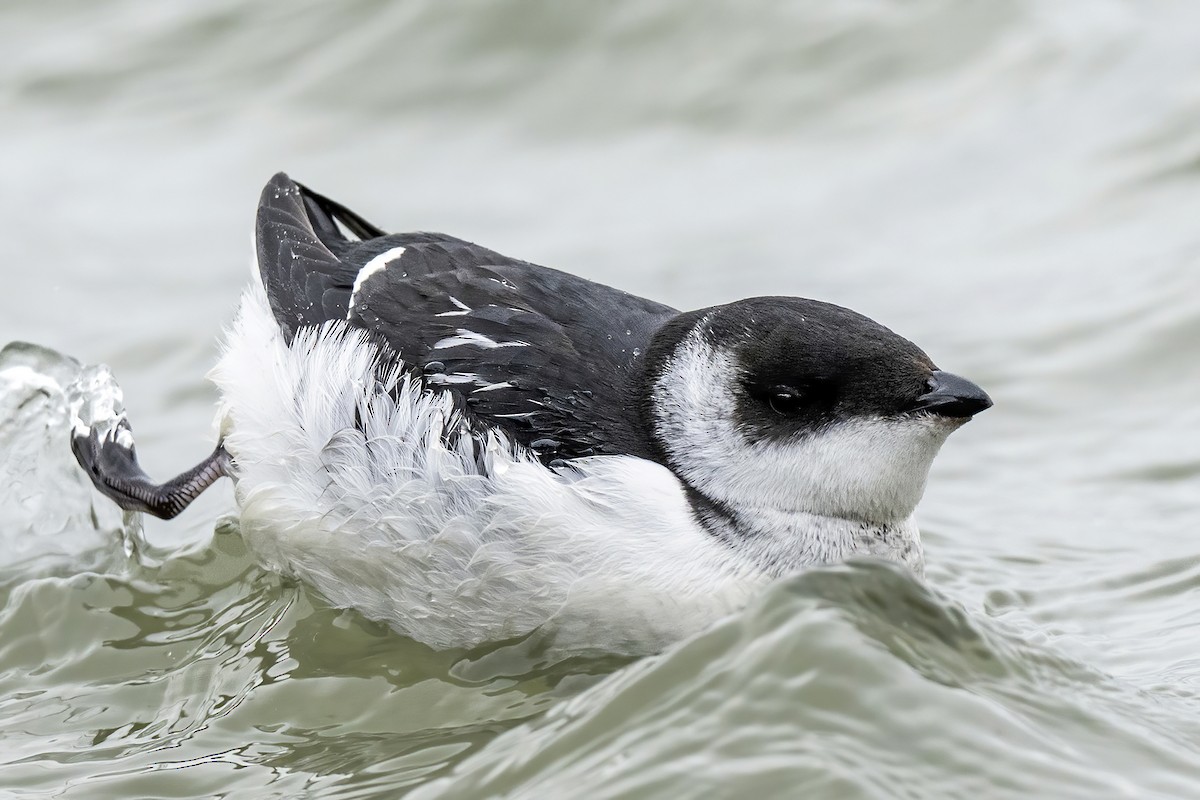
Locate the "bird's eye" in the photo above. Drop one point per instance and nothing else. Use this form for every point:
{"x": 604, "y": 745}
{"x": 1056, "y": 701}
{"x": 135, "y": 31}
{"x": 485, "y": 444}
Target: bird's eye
{"x": 785, "y": 400}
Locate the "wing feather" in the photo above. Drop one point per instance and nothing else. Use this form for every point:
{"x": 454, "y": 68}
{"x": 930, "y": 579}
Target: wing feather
{"x": 554, "y": 360}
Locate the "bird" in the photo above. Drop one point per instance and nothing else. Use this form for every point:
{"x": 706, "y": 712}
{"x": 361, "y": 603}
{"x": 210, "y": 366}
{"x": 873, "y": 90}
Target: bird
{"x": 472, "y": 448}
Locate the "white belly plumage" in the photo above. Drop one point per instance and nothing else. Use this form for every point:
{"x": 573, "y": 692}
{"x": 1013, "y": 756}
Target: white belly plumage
{"x": 345, "y": 481}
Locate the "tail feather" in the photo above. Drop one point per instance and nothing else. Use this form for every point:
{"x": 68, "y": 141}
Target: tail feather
{"x": 326, "y": 214}
{"x": 297, "y": 236}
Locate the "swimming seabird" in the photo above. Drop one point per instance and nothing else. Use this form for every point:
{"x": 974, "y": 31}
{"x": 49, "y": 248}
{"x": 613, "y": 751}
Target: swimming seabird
{"x": 470, "y": 447}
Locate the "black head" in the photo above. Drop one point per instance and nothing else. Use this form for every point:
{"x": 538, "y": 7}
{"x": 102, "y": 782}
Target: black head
{"x": 804, "y": 364}
{"x": 790, "y": 403}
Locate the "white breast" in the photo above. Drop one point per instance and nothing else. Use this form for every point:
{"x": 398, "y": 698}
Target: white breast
{"x": 386, "y": 518}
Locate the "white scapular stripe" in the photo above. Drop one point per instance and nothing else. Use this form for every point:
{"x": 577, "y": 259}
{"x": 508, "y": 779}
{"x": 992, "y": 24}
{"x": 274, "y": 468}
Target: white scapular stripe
{"x": 376, "y": 264}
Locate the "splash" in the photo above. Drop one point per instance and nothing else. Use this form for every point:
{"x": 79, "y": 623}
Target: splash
{"x": 49, "y": 512}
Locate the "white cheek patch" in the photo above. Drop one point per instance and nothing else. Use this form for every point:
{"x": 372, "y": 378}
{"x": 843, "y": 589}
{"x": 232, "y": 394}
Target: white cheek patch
{"x": 376, "y": 264}
{"x": 871, "y": 469}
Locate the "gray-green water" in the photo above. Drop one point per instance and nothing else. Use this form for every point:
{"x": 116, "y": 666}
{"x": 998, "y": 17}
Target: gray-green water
{"x": 1013, "y": 185}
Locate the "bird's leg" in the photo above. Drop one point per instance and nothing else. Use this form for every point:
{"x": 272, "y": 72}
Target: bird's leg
{"x": 111, "y": 462}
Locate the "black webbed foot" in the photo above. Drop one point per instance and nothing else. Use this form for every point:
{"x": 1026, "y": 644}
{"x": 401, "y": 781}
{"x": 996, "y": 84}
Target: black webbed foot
{"x": 111, "y": 462}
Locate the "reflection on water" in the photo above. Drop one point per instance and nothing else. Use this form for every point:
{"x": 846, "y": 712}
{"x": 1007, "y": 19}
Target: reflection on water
{"x": 1012, "y": 183}
{"x": 187, "y": 660}
{"x": 843, "y": 682}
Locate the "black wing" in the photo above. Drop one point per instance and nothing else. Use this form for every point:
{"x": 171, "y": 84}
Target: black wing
{"x": 302, "y": 253}
{"x": 554, "y": 360}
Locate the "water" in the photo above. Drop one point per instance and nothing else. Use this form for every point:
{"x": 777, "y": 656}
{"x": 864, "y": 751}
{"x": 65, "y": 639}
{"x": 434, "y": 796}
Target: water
{"x": 1010, "y": 184}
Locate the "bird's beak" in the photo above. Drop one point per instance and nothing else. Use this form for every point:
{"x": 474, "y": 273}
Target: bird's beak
{"x": 952, "y": 396}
